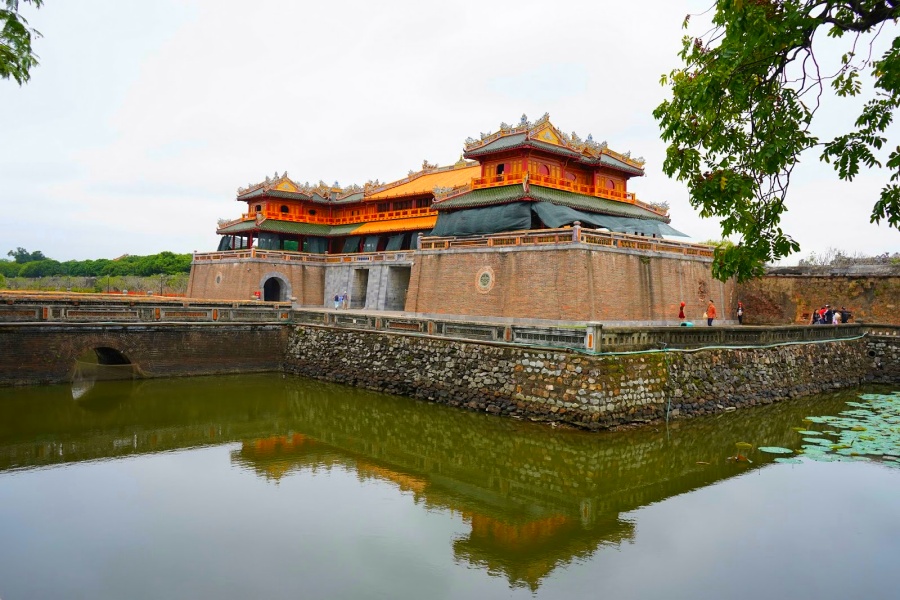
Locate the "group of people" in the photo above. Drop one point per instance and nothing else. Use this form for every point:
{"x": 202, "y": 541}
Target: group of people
{"x": 710, "y": 314}
{"x": 827, "y": 316}
{"x": 341, "y": 300}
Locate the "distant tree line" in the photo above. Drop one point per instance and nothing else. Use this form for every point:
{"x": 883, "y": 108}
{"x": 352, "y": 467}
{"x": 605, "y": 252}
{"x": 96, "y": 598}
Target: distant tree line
{"x": 835, "y": 257}
{"x": 35, "y": 264}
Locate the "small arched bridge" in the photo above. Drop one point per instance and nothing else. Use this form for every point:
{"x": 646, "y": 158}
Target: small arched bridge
{"x": 33, "y": 353}
{"x": 42, "y": 340}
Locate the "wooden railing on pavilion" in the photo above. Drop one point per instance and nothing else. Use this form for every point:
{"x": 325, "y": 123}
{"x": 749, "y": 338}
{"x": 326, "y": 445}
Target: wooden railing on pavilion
{"x": 364, "y": 217}
{"x": 568, "y": 235}
{"x": 561, "y": 184}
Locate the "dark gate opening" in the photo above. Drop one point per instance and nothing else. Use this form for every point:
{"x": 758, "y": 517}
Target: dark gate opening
{"x": 100, "y": 364}
{"x": 358, "y": 288}
{"x": 272, "y": 290}
{"x": 398, "y": 286}
{"x": 110, "y": 356}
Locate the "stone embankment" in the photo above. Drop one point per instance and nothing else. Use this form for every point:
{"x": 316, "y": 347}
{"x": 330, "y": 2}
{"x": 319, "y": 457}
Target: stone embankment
{"x": 884, "y": 353}
{"x": 585, "y": 390}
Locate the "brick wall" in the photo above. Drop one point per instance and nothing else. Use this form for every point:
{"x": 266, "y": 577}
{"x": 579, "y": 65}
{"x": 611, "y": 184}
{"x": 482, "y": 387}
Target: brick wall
{"x": 238, "y": 279}
{"x": 41, "y": 353}
{"x": 568, "y": 283}
{"x": 790, "y": 298}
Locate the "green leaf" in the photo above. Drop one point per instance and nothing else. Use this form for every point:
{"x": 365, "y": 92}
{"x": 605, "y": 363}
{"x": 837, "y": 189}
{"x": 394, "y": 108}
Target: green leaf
{"x": 775, "y": 450}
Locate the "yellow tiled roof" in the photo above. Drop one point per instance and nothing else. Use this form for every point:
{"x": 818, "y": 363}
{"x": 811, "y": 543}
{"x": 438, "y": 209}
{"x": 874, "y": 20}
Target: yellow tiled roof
{"x": 411, "y": 224}
{"x": 427, "y": 182}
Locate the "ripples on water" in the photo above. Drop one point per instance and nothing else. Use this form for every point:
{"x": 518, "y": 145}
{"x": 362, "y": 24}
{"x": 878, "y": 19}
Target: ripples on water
{"x": 272, "y": 487}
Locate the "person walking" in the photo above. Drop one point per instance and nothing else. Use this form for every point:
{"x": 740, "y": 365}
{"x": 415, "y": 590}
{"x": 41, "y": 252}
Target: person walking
{"x": 681, "y": 312}
{"x": 740, "y": 313}
{"x": 710, "y": 313}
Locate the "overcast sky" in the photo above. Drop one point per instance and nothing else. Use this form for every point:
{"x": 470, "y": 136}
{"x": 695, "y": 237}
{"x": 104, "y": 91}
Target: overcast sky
{"x": 144, "y": 117}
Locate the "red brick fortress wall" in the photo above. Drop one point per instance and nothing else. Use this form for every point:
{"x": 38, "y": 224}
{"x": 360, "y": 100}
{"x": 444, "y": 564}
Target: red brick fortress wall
{"x": 562, "y": 282}
{"x": 788, "y": 295}
{"x": 237, "y": 279}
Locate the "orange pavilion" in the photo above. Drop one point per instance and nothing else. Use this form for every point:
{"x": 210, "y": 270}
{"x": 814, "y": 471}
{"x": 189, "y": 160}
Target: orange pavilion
{"x": 531, "y": 222}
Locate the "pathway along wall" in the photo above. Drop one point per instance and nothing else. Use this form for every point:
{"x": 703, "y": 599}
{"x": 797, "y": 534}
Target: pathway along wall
{"x": 594, "y": 392}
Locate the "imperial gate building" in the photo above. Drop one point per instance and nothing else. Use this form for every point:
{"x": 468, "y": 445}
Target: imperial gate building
{"x": 530, "y": 223}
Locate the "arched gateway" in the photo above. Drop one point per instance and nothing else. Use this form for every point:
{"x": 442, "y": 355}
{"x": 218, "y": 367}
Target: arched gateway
{"x": 275, "y": 288}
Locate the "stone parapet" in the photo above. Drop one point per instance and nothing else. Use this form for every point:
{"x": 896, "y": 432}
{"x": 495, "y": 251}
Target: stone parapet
{"x": 590, "y": 391}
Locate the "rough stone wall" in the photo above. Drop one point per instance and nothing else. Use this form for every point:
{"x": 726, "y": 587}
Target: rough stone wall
{"x": 884, "y": 353}
{"x": 778, "y": 299}
{"x": 571, "y": 283}
{"x": 238, "y": 279}
{"x": 708, "y": 381}
{"x": 587, "y": 391}
{"x": 46, "y": 353}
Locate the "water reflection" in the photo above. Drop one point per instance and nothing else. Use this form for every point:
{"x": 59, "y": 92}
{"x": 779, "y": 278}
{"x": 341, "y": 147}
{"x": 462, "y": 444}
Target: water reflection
{"x": 533, "y": 498}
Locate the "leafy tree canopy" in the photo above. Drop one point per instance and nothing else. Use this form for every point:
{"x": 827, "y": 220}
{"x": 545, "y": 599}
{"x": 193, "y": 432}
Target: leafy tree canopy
{"x": 22, "y": 256}
{"x": 744, "y": 103}
{"x": 16, "y": 55}
{"x": 35, "y": 264}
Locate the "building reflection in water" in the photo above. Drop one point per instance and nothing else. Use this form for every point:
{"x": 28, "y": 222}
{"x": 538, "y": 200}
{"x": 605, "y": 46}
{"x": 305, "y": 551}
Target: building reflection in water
{"x": 533, "y": 498}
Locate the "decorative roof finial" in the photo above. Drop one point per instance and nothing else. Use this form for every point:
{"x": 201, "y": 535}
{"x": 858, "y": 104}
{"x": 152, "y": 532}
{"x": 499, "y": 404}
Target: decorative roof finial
{"x": 524, "y": 119}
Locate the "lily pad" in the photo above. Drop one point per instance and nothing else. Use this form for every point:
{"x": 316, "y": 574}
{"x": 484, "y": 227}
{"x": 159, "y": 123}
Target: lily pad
{"x": 775, "y": 450}
{"x": 789, "y": 460}
{"x": 877, "y": 415}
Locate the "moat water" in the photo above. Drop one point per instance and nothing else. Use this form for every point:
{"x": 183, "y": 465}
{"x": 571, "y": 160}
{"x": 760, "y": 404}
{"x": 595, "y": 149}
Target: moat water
{"x": 264, "y": 486}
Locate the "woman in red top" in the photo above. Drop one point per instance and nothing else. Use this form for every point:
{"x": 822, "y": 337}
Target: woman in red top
{"x": 710, "y": 313}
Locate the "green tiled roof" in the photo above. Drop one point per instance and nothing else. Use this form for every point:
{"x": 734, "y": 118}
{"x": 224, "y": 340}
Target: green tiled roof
{"x": 502, "y": 143}
{"x": 555, "y": 149}
{"x": 512, "y": 193}
{"x": 593, "y": 204}
{"x": 238, "y": 227}
{"x": 273, "y": 194}
{"x": 276, "y": 226}
{"x": 291, "y": 195}
{"x": 483, "y": 197}
{"x": 354, "y": 197}
{"x": 615, "y": 163}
